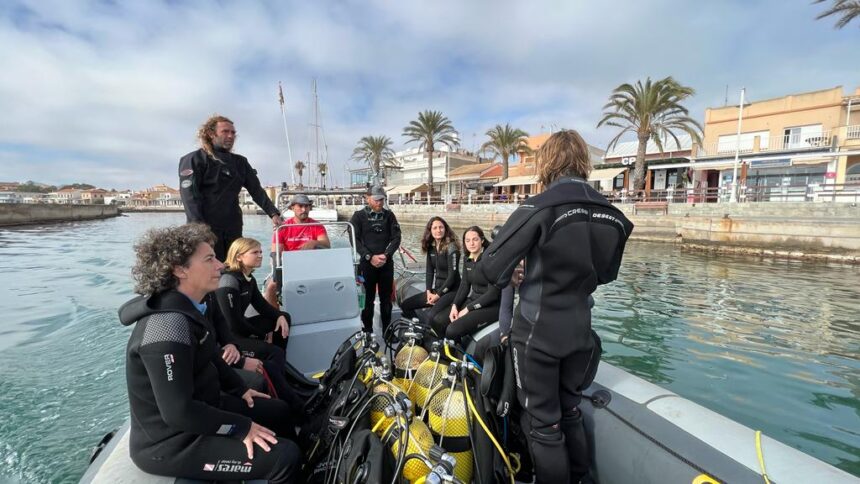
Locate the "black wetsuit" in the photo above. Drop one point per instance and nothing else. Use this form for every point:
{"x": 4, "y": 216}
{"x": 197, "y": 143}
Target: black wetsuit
{"x": 234, "y": 296}
{"x": 572, "y": 239}
{"x": 376, "y": 233}
{"x": 210, "y": 193}
{"x": 182, "y": 424}
{"x": 476, "y": 294}
{"x": 442, "y": 277}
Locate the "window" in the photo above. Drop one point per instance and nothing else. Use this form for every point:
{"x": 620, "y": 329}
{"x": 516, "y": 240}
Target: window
{"x": 801, "y": 136}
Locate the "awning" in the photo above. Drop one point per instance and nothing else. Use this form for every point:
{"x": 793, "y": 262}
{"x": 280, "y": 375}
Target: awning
{"x": 517, "y": 180}
{"x": 605, "y": 173}
{"x": 406, "y": 189}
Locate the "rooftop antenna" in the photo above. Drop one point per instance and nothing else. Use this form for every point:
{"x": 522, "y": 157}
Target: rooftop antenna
{"x": 726, "y": 102}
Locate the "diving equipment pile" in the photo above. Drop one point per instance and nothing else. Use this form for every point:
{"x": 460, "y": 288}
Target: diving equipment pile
{"x": 412, "y": 409}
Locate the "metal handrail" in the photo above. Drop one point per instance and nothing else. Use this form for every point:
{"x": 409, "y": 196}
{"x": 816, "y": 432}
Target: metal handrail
{"x": 279, "y": 259}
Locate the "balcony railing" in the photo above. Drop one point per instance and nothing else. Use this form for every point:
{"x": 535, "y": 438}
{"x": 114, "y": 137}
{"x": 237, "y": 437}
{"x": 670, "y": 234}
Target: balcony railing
{"x": 853, "y": 132}
{"x": 775, "y": 144}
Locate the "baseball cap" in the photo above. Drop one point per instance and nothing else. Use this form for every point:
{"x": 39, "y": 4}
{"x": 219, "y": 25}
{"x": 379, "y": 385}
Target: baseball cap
{"x": 376, "y": 192}
{"x": 301, "y": 199}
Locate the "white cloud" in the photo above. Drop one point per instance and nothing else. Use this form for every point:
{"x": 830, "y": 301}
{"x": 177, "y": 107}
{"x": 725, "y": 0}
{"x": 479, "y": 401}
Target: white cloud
{"x": 113, "y": 94}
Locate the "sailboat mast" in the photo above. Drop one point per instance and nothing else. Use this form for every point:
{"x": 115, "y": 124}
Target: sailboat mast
{"x": 316, "y": 128}
{"x": 286, "y": 133}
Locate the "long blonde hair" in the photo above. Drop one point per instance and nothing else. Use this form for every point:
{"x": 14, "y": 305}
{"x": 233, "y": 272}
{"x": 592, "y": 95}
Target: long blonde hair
{"x": 237, "y": 249}
{"x": 564, "y": 154}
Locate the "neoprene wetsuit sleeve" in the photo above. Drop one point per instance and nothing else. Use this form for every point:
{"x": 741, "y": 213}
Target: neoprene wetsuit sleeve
{"x": 359, "y": 232}
{"x": 515, "y": 239}
{"x": 486, "y": 299}
{"x": 167, "y": 353}
{"x": 229, "y": 304}
{"x": 506, "y": 310}
{"x": 252, "y": 184}
{"x": 429, "y": 271}
{"x": 394, "y": 243}
{"x": 190, "y": 177}
{"x": 230, "y": 382}
{"x": 462, "y": 293}
{"x": 453, "y": 270}
{"x": 215, "y": 315}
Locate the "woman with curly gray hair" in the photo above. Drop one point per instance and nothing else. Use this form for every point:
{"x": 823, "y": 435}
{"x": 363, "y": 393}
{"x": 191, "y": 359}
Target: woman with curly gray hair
{"x": 192, "y": 415}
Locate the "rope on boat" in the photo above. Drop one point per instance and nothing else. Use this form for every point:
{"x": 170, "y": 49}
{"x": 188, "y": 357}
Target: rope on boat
{"x": 760, "y": 456}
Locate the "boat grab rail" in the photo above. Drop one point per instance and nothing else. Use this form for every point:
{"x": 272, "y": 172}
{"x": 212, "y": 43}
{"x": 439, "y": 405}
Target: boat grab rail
{"x": 279, "y": 254}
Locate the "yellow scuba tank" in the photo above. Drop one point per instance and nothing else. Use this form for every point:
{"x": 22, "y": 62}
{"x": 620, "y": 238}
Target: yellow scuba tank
{"x": 449, "y": 423}
{"x": 419, "y": 442}
{"x": 406, "y": 362}
{"x": 429, "y": 374}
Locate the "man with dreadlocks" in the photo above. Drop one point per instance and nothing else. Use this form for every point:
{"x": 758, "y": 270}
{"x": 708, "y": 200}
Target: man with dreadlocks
{"x": 210, "y": 180}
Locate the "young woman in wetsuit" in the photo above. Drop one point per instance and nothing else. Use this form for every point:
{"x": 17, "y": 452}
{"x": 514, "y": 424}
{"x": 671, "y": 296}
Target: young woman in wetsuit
{"x": 476, "y": 303}
{"x": 191, "y": 415}
{"x": 572, "y": 240}
{"x": 238, "y": 289}
{"x": 442, "y": 273}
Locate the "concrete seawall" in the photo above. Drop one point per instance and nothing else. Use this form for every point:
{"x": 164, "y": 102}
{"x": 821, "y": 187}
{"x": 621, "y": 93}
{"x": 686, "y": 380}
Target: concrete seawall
{"x": 36, "y": 213}
{"x": 819, "y": 231}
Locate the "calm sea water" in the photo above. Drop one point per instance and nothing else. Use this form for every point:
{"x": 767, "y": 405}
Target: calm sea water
{"x": 774, "y": 345}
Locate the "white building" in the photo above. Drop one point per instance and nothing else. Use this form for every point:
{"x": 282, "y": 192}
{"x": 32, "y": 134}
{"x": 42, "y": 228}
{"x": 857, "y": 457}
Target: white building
{"x": 412, "y": 175}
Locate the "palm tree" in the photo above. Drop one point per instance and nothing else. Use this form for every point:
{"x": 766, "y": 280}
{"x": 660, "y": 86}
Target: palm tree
{"x": 377, "y": 152}
{"x": 506, "y": 141}
{"x": 430, "y": 128}
{"x": 652, "y": 111}
{"x": 300, "y": 168}
{"x": 322, "y": 168}
{"x": 847, "y": 10}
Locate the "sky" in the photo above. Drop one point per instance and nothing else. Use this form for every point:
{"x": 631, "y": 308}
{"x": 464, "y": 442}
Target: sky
{"x": 112, "y": 92}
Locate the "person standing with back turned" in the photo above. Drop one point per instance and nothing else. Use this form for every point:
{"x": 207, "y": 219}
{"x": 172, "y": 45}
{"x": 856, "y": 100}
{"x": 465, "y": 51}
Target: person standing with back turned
{"x": 210, "y": 180}
{"x": 377, "y": 238}
{"x": 572, "y": 240}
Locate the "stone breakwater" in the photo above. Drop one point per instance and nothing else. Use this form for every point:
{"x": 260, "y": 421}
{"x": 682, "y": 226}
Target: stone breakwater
{"x": 813, "y": 231}
{"x": 37, "y": 213}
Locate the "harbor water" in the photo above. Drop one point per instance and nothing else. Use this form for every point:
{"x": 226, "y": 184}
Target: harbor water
{"x": 772, "y": 344}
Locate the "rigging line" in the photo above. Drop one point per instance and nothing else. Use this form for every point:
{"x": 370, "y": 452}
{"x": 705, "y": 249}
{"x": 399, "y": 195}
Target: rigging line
{"x": 286, "y": 132}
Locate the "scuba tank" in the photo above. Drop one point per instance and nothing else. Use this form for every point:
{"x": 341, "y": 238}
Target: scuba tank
{"x": 419, "y": 441}
{"x": 449, "y": 422}
{"x": 406, "y": 362}
{"x": 430, "y": 373}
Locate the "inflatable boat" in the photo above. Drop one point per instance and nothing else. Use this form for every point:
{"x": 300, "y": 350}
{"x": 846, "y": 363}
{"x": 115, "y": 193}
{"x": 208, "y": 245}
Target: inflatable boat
{"x": 639, "y": 431}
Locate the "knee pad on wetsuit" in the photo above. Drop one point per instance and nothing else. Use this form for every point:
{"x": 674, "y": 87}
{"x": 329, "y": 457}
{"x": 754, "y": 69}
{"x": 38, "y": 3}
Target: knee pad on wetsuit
{"x": 546, "y": 444}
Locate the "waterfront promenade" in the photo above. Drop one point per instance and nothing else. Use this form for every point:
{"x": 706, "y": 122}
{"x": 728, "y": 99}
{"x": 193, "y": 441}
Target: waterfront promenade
{"x": 802, "y": 230}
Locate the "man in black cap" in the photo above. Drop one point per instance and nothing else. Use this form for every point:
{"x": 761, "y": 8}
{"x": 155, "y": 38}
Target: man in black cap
{"x": 377, "y": 238}
{"x": 210, "y": 180}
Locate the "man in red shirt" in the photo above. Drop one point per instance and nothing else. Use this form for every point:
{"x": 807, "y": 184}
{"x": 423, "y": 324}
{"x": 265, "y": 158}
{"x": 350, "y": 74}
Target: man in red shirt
{"x": 297, "y": 235}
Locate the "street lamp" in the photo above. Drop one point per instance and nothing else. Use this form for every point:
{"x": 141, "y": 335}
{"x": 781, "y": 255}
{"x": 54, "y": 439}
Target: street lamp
{"x": 734, "y": 195}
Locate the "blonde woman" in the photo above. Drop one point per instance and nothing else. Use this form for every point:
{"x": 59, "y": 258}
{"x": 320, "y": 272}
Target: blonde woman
{"x": 239, "y": 289}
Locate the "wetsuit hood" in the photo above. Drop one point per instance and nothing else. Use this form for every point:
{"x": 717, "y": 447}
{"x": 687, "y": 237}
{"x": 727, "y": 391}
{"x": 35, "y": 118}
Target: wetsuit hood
{"x": 167, "y": 301}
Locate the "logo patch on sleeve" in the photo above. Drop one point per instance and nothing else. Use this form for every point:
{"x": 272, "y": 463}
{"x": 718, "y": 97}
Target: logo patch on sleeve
{"x": 187, "y": 172}
{"x": 225, "y": 429}
{"x": 186, "y": 183}
{"x": 168, "y": 365}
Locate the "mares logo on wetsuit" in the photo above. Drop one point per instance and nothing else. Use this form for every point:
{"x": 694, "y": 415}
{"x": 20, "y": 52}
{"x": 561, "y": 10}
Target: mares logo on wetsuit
{"x": 228, "y": 466}
{"x": 168, "y": 364}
